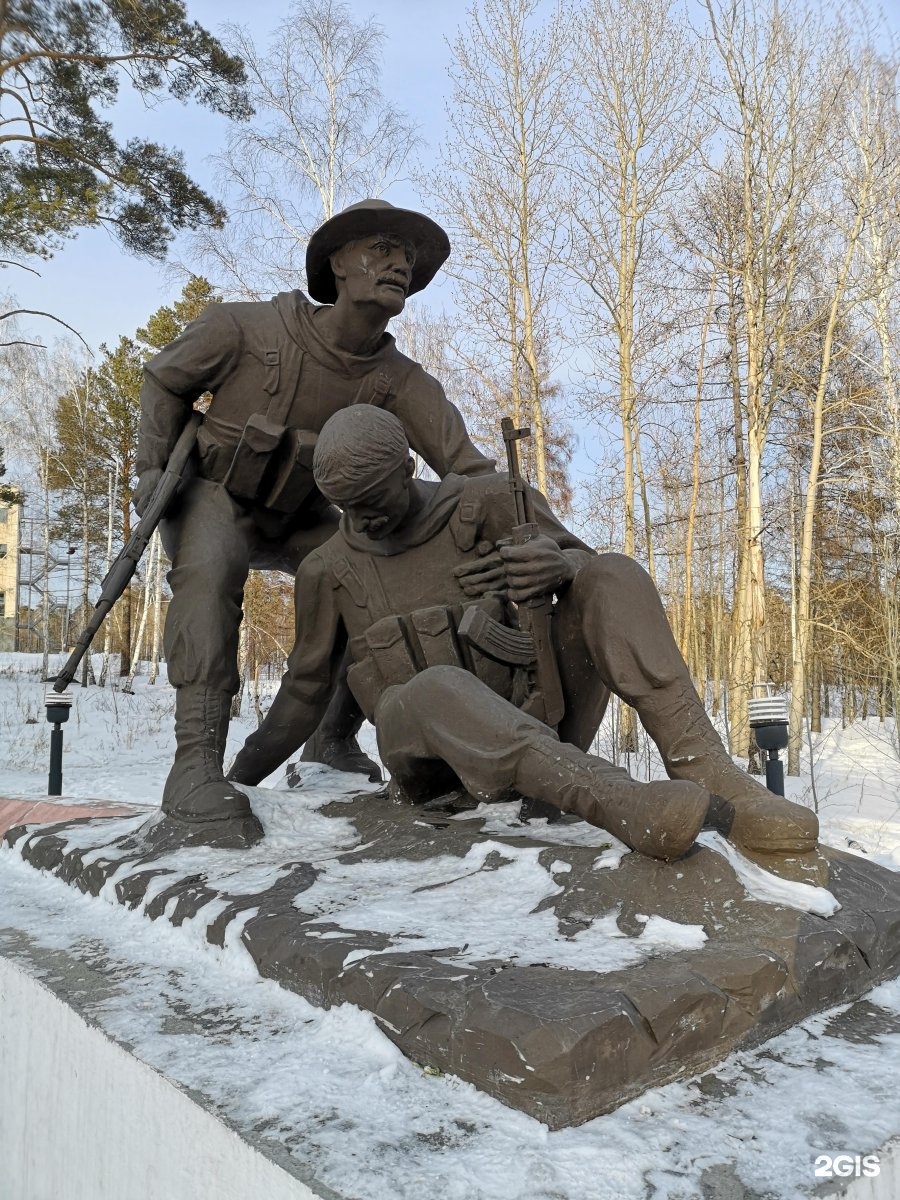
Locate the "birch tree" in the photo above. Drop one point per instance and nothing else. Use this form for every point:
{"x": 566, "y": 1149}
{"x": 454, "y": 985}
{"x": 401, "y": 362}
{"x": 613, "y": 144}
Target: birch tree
{"x": 634, "y": 129}
{"x": 28, "y": 383}
{"x": 868, "y": 164}
{"x": 112, "y": 483}
{"x": 774, "y": 100}
{"x": 157, "y": 558}
{"x": 77, "y": 471}
{"x": 498, "y": 191}
{"x": 880, "y": 249}
{"x": 323, "y": 136}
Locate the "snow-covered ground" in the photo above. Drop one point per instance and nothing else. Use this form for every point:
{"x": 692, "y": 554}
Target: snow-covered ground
{"x": 372, "y": 1123}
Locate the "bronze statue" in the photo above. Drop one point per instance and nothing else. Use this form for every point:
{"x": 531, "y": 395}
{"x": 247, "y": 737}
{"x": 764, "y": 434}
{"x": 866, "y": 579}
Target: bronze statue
{"x": 397, "y": 584}
{"x": 277, "y": 371}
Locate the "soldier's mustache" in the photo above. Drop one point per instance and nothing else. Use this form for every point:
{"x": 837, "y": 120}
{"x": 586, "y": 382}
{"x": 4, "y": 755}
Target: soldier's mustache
{"x": 400, "y": 281}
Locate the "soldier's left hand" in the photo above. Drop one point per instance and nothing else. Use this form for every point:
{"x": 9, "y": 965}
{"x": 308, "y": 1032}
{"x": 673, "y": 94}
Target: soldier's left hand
{"x": 536, "y": 568}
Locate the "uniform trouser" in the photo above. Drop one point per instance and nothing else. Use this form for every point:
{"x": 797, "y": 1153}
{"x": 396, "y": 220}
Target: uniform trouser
{"x": 213, "y": 541}
{"x": 478, "y": 738}
{"x": 611, "y": 634}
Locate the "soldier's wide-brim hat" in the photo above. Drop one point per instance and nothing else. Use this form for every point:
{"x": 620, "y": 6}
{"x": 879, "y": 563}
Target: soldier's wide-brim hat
{"x": 365, "y": 219}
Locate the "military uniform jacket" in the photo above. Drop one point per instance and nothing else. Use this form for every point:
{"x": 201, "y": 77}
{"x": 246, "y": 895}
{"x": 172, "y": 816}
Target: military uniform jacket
{"x": 398, "y": 601}
{"x": 256, "y": 356}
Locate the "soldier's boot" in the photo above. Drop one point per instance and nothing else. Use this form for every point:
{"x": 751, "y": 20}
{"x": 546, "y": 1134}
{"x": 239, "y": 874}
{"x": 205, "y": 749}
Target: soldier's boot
{"x": 745, "y": 811}
{"x": 334, "y": 742}
{"x": 660, "y": 819}
{"x": 196, "y": 793}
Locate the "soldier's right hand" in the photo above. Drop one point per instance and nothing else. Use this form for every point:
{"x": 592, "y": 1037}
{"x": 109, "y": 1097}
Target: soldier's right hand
{"x": 145, "y": 488}
{"x": 482, "y": 576}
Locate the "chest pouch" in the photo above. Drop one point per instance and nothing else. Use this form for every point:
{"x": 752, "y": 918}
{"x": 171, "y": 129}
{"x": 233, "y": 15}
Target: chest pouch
{"x": 291, "y": 480}
{"x": 272, "y": 465}
{"x": 259, "y": 439}
{"x": 435, "y": 631}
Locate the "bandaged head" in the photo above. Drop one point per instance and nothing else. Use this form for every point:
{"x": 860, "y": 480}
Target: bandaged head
{"x": 357, "y": 449}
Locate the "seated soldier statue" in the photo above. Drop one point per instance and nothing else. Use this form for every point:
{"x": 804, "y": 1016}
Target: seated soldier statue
{"x": 410, "y": 559}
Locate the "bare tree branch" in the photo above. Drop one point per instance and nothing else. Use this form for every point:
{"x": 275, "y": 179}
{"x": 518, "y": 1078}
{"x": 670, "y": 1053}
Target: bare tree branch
{"x": 36, "y": 312}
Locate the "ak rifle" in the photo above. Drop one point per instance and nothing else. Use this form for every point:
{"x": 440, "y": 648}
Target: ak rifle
{"x": 531, "y": 645}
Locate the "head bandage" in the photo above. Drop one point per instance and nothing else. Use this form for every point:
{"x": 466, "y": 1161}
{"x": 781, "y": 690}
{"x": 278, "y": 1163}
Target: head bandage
{"x": 357, "y": 449}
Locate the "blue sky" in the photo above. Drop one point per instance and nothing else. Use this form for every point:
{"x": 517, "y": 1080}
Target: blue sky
{"x": 102, "y": 291}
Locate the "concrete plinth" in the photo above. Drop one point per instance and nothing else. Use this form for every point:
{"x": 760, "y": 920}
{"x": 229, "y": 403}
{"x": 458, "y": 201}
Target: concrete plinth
{"x": 83, "y": 1119}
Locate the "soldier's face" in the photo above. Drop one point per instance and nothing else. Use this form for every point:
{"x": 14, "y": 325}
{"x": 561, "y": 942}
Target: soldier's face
{"x": 375, "y": 270}
{"x": 382, "y": 509}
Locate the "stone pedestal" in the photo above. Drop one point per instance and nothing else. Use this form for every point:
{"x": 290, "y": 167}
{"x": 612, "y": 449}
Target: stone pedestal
{"x": 651, "y": 971}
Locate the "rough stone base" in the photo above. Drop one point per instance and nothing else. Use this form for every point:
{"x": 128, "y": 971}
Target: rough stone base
{"x": 562, "y": 1045}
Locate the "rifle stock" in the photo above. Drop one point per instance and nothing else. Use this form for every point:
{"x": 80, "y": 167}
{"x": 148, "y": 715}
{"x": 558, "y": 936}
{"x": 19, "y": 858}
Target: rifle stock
{"x": 119, "y": 575}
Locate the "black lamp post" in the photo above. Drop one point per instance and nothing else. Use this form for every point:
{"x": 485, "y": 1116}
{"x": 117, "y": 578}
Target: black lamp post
{"x": 58, "y": 706}
{"x": 769, "y": 722}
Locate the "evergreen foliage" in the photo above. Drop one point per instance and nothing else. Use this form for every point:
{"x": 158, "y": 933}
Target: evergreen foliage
{"x": 61, "y": 167}
{"x": 8, "y": 494}
{"x": 96, "y": 422}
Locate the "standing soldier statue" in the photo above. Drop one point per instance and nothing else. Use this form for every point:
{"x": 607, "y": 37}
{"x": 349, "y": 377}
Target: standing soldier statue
{"x": 277, "y": 370}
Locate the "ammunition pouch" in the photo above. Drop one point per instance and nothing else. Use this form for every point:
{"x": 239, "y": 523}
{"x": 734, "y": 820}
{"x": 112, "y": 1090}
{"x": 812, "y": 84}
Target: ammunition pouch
{"x": 291, "y": 478}
{"x": 259, "y": 439}
{"x": 383, "y": 657}
{"x": 272, "y": 465}
{"x": 396, "y": 648}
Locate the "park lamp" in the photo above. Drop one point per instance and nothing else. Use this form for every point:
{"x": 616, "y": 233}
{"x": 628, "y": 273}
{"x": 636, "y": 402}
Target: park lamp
{"x": 769, "y": 722}
{"x": 58, "y": 706}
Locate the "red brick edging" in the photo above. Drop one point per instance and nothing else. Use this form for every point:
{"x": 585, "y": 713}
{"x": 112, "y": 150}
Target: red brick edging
{"x": 48, "y": 812}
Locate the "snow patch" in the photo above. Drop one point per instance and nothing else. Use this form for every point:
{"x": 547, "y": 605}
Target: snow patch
{"x": 763, "y": 885}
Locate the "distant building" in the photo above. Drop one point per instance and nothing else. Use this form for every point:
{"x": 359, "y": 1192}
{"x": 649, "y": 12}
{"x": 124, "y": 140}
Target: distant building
{"x": 10, "y": 522}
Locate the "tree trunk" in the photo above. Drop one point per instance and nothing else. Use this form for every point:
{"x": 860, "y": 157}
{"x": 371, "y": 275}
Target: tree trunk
{"x": 124, "y": 604}
{"x": 156, "y": 549}
{"x": 243, "y": 651}
{"x": 135, "y": 649}
{"x": 803, "y": 645}
{"x": 687, "y": 625}
{"x": 107, "y": 629}
{"x": 87, "y": 667}
{"x": 45, "y": 595}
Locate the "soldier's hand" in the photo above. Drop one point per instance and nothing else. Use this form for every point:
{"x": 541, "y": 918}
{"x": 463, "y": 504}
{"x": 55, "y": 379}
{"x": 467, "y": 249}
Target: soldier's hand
{"x": 145, "y": 488}
{"x": 536, "y": 568}
{"x": 482, "y": 575}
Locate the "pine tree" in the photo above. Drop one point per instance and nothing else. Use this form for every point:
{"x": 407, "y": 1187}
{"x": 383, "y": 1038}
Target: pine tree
{"x": 61, "y": 167}
{"x": 8, "y": 494}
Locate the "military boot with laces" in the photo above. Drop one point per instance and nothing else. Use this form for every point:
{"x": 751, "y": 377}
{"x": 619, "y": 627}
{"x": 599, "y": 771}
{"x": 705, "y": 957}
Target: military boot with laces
{"x": 660, "y": 819}
{"x": 196, "y": 793}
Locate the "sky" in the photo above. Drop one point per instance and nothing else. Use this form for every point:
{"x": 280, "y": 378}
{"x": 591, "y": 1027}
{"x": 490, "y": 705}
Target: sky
{"x": 104, "y": 292}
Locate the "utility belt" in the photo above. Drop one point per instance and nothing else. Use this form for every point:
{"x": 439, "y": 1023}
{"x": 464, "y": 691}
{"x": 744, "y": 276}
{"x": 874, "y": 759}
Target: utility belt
{"x": 398, "y": 647}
